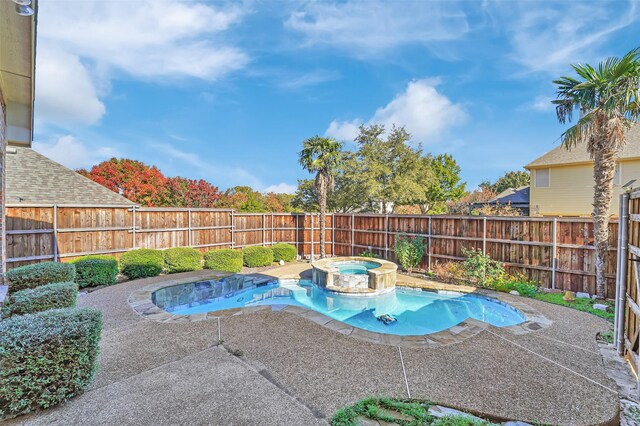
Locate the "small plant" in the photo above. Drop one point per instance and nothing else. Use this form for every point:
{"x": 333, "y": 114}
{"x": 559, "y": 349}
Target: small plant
{"x": 43, "y": 298}
{"x": 182, "y": 259}
{"x": 409, "y": 251}
{"x": 480, "y": 269}
{"x": 142, "y": 263}
{"x": 257, "y": 256}
{"x": 450, "y": 272}
{"x": 96, "y": 270}
{"x": 370, "y": 254}
{"x": 47, "y": 358}
{"x": 283, "y": 251}
{"x": 227, "y": 260}
{"x": 31, "y": 276}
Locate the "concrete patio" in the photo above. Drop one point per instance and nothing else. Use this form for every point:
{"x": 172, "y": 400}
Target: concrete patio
{"x": 293, "y": 371}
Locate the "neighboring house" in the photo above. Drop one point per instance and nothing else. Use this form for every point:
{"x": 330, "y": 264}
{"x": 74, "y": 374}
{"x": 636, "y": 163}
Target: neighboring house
{"x": 517, "y": 198}
{"x": 33, "y": 178}
{"x": 17, "y": 70}
{"x": 562, "y": 180}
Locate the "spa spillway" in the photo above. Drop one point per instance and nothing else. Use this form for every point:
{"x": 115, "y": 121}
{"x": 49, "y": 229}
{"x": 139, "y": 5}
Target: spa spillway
{"x": 355, "y": 275}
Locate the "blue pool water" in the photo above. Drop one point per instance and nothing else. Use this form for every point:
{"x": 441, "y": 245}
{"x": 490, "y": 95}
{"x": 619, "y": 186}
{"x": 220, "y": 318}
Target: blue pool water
{"x": 417, "y": 312}
{"x": 355, "y": 267}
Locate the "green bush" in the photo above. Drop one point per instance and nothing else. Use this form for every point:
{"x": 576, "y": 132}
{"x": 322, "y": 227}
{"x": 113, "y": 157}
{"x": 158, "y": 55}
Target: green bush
{"x": 253, "y": 257}
{"x": 182, "y": 259}
{"x": 283, "y": 251}
{"x": 223, "y": 260}
{"x": 142, "y": 263}
{"x": 480, "y": 269}
{"x": 31, "y": 276}
{"x": 47, "y": 358}
{"x": 409, "y": 251}
{"x": 96, "y": 270}
{"x": 43, "y": 298}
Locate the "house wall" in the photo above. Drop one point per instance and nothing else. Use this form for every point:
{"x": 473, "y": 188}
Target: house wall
{"x": 570, "y": 192}
{"x": 3, "y": 146}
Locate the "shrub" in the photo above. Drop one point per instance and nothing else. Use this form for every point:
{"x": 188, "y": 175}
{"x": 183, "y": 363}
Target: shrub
{"x": 480, "y": 269}
{"x": 31, "y": 276}
{"x": 223, "y": 260}
{"x": 47, "y": 358}
{"x": 96, "y": 270}
{"x": 253, "y": 257}
{"x": 43, "y": 298}
{"x": 370, "y": 254}
{"x": 142, "y": 263}
{"x": 286, "y": 252}
{"x": 409, "y": 251}
{"x": 182, "y": 259}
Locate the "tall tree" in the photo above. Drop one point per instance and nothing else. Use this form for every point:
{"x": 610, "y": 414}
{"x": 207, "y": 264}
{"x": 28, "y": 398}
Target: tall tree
{"x": 513, "y": 179}
{"x": 446, "y": 187}
{"x": 183, "y": 192}
{"x": 607, "y": 98}
{"x": 321, "y": 156}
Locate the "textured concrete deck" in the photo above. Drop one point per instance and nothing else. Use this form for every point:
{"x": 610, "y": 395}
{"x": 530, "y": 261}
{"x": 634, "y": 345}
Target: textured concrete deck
{"x": 294, "y": 371}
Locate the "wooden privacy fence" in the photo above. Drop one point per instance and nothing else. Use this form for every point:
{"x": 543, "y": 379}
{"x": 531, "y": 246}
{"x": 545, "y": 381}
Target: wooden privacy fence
{"x": 556, "y": 252}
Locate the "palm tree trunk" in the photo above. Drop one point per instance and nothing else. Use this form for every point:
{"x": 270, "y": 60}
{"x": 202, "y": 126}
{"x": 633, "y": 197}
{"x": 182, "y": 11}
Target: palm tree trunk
{"x": 603, "y": 173}
{"x": 323, "y": 208}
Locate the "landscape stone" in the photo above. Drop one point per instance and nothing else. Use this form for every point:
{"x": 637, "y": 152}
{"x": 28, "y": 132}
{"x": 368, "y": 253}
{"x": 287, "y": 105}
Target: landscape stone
{"x": 600, "y": 307}
{"x": 514, "y": 292}
{"x": 582, "y": 295}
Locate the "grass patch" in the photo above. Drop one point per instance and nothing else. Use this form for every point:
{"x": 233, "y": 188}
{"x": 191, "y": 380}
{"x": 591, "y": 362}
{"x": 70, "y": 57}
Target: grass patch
{"x": 398, "y": 412}
{"x": 584, "y": 305}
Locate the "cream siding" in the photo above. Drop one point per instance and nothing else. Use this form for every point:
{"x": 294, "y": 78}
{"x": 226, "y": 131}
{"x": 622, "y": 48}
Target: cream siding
{"x": 570, "y": 191}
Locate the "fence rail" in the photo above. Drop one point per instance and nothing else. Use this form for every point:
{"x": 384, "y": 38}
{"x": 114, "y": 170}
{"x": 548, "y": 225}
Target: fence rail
{"x": 556, "y": 252}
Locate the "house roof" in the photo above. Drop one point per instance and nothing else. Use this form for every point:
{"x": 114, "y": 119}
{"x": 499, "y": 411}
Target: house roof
{"x": 32, "y": 178}
{"x": 578, "y": 154}
{"x": 517, "y": 196}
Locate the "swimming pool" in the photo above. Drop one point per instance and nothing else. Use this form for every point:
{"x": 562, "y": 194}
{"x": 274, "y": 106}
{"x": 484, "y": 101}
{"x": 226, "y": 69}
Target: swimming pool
{"x": 415, "y": 312}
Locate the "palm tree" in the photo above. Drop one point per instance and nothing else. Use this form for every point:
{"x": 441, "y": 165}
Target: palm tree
{"x": 321, "y": 156}
{"x": 607, "y": 99}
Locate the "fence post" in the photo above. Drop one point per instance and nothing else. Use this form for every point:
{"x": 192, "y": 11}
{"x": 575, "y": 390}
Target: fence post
{"x": 352, "y": 235}
{"x": 55, "y": 232}
{"x": 429, "y": 246}
{"x": 312, "y": 253}
{"x": 297, "y": 231}
{"x": 271, "y": 228}
{"x": 622, "y": 254}
{"x": 264, "y": 230}
{"x": 189, "y": 228}
{"x": 484, "y": 235}
{"x": 233, "y": 224}
{"x": 386, "y": 236}
{"x": 333, "y": 234}
{"x": 133, "y": 230}
{"x": 554, "y": 260}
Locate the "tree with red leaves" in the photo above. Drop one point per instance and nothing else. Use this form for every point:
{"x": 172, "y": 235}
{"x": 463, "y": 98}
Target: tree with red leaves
{"x": 183, "y": 192}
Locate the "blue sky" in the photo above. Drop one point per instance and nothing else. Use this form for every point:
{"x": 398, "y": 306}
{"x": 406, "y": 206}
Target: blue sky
{"x": 228, "y": 91}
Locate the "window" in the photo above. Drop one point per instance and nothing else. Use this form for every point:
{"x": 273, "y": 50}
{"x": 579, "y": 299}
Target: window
{"x": 617, "y": 177}
{"x": 542, "y": 178}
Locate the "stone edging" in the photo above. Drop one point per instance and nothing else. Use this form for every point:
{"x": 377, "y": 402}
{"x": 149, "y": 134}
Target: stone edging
{"x": 140, "y": 301}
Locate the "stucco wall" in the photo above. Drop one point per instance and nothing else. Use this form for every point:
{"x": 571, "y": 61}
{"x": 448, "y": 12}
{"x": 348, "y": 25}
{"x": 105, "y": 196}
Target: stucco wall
{"x": 3, "y": 151}
{"x": 570, "y": 192}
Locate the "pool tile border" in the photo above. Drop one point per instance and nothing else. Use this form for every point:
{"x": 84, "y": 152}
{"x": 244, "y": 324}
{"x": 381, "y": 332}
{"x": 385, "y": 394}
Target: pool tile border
{"x": 141, "y": 302}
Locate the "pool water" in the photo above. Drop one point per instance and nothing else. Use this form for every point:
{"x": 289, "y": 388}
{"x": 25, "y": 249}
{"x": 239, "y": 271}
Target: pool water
{"x": 355, "y": 267}
{"x": 416, "y": 312}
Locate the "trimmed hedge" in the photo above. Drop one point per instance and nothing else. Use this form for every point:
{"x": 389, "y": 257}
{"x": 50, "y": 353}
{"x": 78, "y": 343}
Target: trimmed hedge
{"x": 31, "y": 276}
{"x": 182, "y": 259}
{"x": 47, "y": 358}
{"x": 283, "y": 251}
{"x": 257, "y": 256}
{"x": 96, "y": 270}
{"x": 228, "y": 260}
{"x": 142, "y": 263}
{"x": 43, "y": 298}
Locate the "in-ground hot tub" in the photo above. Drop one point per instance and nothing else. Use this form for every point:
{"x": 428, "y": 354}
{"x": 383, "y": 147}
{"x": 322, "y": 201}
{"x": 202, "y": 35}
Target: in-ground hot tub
{"x": 355, "y": 275}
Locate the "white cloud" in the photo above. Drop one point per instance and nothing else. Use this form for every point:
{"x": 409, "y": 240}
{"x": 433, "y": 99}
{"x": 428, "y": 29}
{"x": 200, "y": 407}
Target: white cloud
{"x": 66, "y": 94}
{"x": 547, "y": 37}
{"x": 311, "y": 78}
{"x": 425, "y": 112}
{"x": 281, "y": 188}
{"x": 88, "y": 43}
{"x": 364, "y": 27}
{"x": 542, "y": 103}
{"x": 73, "y": 153}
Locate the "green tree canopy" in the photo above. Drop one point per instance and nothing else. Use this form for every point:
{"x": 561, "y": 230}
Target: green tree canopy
{"x": 513, "y": 179}
{"x": 447, "y": 186}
